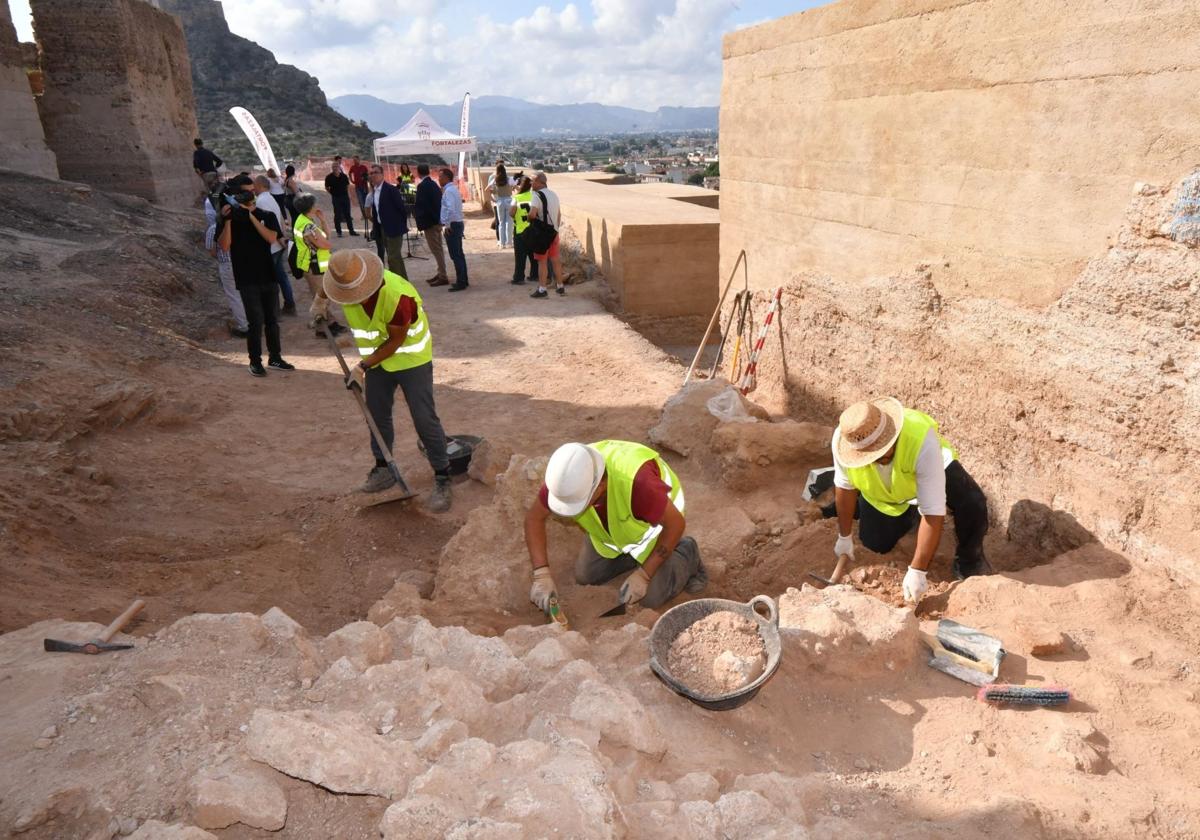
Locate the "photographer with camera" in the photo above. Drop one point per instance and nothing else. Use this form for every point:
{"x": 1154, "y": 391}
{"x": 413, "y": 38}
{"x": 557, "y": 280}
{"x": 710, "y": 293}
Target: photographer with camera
{"x": 247, "y": 236}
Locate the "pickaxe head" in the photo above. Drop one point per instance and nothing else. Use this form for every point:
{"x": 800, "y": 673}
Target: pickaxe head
{"x": 95, "y": 646}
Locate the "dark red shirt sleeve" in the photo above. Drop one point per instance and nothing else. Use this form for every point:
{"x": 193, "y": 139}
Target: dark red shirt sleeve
{"x": 651, "y": 495}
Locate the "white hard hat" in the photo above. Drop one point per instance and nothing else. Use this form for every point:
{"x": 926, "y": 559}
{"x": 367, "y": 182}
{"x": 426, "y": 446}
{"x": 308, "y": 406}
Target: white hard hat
{"x": 572, "y": 476}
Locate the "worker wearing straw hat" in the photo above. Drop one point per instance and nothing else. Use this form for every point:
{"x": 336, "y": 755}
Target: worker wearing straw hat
{"x": 391, "y": 330}
{"x": 888, "y": 458}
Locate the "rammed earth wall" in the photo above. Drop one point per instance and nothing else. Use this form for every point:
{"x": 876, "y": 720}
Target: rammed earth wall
{"x": 944, "y": 190}
{"x": 22, "y": 141}
{"x": 118, "y": 108}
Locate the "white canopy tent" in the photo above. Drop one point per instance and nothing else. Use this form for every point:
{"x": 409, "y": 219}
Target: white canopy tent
{"x": 421, "y": 135}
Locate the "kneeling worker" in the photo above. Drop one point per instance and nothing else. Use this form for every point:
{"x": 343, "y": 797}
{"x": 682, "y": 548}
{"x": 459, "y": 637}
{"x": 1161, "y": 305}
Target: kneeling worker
{"x": 630, "y": 504}
{"x": 384, "y": 312}
{"x": 886, "y": 457}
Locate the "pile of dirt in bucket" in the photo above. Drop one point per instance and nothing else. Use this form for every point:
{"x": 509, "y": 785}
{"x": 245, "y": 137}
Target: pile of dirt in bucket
{"x": 718, "y": 654}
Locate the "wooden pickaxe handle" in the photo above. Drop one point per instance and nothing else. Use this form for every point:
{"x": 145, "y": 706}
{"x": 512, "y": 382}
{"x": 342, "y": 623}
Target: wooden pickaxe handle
{"x": 840, "y": 568}
{"x": 121, "y": 620}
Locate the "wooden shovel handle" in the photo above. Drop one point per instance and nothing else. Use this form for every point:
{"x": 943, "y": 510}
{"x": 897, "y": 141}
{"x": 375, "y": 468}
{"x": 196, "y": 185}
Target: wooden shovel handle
{"x": 121, "y": 620}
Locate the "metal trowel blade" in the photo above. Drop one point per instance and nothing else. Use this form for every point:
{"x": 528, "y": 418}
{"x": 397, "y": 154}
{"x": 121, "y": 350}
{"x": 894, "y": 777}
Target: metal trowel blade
{"x": 619, "y": 609}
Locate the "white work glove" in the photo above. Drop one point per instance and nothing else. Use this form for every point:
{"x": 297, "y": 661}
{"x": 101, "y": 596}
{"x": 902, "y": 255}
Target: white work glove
{"x": 844, "y": 545}
{"x": 635, "y": 586}
{"x": 543, "y": 588}
{"x": 915, "y": 585}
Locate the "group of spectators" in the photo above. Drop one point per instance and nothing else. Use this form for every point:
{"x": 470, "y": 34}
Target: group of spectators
{"x": 266, "y": 230}
{"x": 519, "y": 203}
{"x": 436, "y": 209}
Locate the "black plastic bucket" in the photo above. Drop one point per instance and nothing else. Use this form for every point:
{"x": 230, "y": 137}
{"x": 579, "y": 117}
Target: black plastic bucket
{"x": 677, "y": 619}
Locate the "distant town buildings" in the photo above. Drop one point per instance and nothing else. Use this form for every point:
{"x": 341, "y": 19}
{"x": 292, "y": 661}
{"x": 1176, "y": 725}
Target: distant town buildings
{"x": 678, "y": 158}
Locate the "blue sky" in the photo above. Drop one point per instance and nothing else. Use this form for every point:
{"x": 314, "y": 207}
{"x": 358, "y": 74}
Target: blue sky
{"x": 637, "y": 53}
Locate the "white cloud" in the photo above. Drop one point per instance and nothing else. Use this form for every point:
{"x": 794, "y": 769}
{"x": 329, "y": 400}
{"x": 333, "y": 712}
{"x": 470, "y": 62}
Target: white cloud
{"x": 637, "y": 53}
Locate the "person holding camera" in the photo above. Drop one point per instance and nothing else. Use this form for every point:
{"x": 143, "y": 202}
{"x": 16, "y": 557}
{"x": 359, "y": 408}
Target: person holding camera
{"x": 247, "y": 236}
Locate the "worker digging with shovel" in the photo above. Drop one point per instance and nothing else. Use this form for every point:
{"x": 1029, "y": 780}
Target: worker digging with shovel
{"x": 886, "y": 459}
{"x": 630, "y": 505}
{"x": 391, "y": 330}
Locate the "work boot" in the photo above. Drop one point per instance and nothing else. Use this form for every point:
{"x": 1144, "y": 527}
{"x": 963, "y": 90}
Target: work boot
{"x": 378, "y": 479}
{"x": 439, "y": 499}
{"x": 964, "y": 568}
{"x": 336, "y": 328}
{"x": 697, "y": 582}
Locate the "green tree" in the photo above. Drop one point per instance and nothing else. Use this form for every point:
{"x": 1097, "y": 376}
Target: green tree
{"x": 696, "y": 178}
{"x": 713, "y": 170}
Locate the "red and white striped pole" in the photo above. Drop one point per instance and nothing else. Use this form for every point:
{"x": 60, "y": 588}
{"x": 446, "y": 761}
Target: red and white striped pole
{"x": 747, "y": 382}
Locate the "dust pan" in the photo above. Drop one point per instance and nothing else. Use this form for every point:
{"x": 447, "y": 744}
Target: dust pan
{"x": 965, "y": 653}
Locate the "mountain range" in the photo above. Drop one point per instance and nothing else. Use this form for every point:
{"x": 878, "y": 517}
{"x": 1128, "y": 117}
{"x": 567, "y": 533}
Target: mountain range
{"x": 229, "y": 70}
{"x": 504, "y": 116}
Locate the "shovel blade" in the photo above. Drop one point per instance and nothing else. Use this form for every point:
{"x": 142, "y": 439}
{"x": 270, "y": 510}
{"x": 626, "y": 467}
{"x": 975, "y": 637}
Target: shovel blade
{"x": 383, "y": 497}
{"x": 619, "y": 609}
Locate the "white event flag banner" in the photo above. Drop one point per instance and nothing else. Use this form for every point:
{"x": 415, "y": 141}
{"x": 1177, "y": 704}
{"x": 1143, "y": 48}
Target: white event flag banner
{"x": 257, "y": 137}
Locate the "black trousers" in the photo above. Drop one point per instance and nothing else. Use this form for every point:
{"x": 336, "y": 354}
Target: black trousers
{"x": 417, "y": 387}
{"x": 341, "y": 213}
{"x": 879, "y": 532}
{"x": 262, "y": 313}
{"x": 522, "y": 253}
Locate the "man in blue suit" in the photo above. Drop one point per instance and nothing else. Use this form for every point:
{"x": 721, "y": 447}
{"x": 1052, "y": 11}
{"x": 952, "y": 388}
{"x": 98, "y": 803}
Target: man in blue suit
{"x": 428, "y": 214}
{"x": 391, "y": 219}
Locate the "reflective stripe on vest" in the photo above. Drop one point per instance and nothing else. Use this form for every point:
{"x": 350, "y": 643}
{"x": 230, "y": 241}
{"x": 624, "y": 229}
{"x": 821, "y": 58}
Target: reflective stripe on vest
{"x": 303, "y": 252}
{"x": 623, "y": 533}
{"x": 371, "y": 333}
{"x": 895, "y": 499}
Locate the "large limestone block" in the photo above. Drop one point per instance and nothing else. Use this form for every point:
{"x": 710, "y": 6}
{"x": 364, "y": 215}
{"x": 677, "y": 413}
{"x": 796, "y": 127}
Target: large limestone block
{"x": 843, "y": 632}
{"x": 419, "y": 815}
{"x": 362, "y": 642}
{"x": 619, "y": 717}
{"x": 246, "y": 795}
{"x": 529, "y": 784}
{"x": 403, "y": 600}
{"x": 335, "y": 752}
{"x": 487, "y": 660}
{"x": 155, "y": 830}
{"x": 692, "y": 413}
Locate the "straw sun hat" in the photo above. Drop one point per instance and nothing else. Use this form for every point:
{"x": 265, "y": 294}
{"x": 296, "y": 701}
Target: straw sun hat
{"x": 353, "y": 276}
{"x": 868, "y": 429}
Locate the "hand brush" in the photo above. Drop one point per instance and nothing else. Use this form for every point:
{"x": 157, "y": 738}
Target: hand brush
{"x": 1024, "y": 695}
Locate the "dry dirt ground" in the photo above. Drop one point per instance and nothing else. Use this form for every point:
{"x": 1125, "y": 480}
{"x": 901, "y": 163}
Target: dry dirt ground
{"x": 141, "y": 460}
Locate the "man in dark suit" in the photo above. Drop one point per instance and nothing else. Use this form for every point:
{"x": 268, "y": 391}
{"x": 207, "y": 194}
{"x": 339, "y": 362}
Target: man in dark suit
{"x": 391, "y": 219}
{"x": 428, "y": 214}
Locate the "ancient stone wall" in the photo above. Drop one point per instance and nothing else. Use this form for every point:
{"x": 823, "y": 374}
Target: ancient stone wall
{"x": 22, "y": 141}
{"x": 944, "y": 190}
{"x": 118, "y": 108}
{"x": 995, "y": 140}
